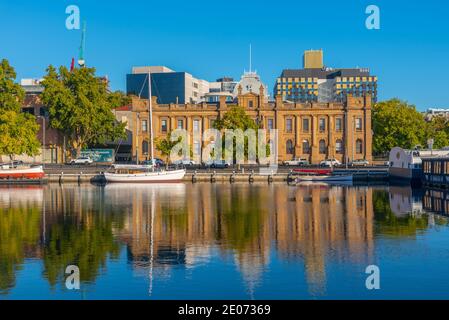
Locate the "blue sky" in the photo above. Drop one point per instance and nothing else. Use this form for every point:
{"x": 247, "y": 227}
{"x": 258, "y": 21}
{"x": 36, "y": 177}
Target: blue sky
{"x": 210, "y": 39}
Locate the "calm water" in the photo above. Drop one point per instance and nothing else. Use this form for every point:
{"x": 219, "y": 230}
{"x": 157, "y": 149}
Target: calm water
{"x": 222, "y": 241}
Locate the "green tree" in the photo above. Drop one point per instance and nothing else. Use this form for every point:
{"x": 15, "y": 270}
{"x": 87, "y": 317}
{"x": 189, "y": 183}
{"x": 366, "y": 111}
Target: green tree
{"x": 438, "y": 130}
{"x": 81, "y": 106}
{"x": 397, "y": 124}
{"x": 165, "y": 146}
{"x": 18, "y": 131}
{"x": 236, "y": 118}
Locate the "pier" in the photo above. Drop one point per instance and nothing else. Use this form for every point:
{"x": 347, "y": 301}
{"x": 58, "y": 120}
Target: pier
{"x": 80, "y": 174}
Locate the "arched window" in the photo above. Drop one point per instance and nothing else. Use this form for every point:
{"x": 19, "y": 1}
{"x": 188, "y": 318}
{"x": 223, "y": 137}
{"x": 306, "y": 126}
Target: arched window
{"x": 322, "y": 147}
{"x": 289, "y": 147}
{"x": 305, "y": 147}
{"x": 339, "y": 146}
{"x": 359, "y": 146}
{"x": 145, "y": 147}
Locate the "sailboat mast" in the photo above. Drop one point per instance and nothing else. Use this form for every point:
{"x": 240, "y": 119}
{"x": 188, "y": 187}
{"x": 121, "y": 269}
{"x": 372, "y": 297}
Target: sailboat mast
{"x": 151, "y": 119}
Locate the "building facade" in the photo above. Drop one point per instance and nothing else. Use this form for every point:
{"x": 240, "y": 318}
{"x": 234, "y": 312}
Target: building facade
{"x": 52, "y": 141}
{"x": 312, "y": 131}
{"x": 167, "y": 85}
{"x": 321, "y": 84}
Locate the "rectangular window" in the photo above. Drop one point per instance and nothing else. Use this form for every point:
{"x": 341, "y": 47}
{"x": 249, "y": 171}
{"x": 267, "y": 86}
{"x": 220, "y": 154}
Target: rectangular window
{"x": 338, "y": 124}
{"x": 358, "y": 124}
{"x": 288, "y": 125}
{"x": 144, "y": 126}
{"x": 180, "y": 124}
{"x": 196, "y": 125}
{"x": 322, "y": 124}
{"x": 339, "y": 147}
{"x": 250, "y": 104}
{"x": 270, "y": 124}
{"x": 305, "y": 125}
{"x": 164, "y": 126}
{"x": 211, "y": 123}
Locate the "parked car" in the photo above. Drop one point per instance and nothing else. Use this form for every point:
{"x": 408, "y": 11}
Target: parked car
{"x": 359, "y": 163}
{"x": 184, "y": 162}
{"x": 296, "y": 162}
{"x": 219, "y": 164}
{"x": 82, "y": 160}
{"x": 330, "y": 163}
{"x": 158, "y": 162}
{"x": 16, "y": 163}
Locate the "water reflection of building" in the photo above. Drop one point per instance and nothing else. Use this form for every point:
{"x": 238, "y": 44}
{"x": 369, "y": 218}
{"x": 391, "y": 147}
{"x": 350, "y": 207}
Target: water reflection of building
{"x": 437, "y": 201}
{"x": 319, "y": 219}
{"x": 405, "y": 200}
{"x": 245, "y": 221}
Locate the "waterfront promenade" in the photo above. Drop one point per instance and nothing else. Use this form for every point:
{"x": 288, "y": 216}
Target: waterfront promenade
{"x": 92, "y": 173}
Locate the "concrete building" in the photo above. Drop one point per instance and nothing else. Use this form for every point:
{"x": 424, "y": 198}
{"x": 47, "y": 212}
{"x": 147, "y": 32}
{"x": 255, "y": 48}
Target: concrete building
{"x": 52, "y": 140}
{"x": 167, "y": 85}
{"x": 313, "y": 59}
{"x": 316, "y": 83}
{"x": 435, "y": 112}
{"x": 314, "y": 131}
{"x": 250, "y": 83}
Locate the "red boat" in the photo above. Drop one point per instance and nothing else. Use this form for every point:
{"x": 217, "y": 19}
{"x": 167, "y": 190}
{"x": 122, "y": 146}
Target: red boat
{"x": 9, "y": 172}
{"x": 313, "y": 171}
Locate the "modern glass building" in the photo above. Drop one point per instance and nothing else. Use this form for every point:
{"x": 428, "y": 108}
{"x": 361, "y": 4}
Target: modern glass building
{"x": 167, "y": 85}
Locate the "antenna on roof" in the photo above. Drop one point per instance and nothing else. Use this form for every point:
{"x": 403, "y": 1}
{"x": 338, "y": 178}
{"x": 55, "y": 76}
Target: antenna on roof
{"x": 250, "y": 58}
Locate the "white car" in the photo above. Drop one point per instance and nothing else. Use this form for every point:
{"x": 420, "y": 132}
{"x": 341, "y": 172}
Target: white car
{"x": 184, "y": 162}
{"x": 82, "y": 160}
{"x": 296, "y": 162}
{"x": 359, "y": 163}
{"x": 330, "y": 163}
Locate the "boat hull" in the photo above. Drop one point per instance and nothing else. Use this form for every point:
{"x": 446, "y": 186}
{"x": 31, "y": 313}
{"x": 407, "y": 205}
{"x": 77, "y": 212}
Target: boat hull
{"x": 22, "y": 173}
{"x": 146, "y": 177}
{"x": 345, "y": 178}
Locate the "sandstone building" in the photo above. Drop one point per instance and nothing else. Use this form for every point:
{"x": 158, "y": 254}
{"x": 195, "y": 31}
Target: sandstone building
{"x": 312, "y": 131}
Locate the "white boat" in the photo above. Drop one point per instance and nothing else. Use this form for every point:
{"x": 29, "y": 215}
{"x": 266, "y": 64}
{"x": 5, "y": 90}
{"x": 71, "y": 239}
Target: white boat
{"x": 326, "y": 178}
{"x": 21, "y": 172}
{"x": 142, "y": 174}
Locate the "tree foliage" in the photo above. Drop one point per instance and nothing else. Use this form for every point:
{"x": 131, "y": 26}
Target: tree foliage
{"x": 81, "y": 107}
{"x": 235, "y": 119}
{"x": 165, "y": 145}
{"x": 398, "y": 124}
{"x": 18, "y": 131}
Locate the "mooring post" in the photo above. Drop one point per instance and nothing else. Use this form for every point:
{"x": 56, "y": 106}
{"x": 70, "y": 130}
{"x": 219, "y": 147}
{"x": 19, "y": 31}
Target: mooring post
{"x": 270, "y": 177}
{"x": 61, "y": 177}
{"x": 232, "y": 178}
{"x": 194, "y": 176}
{"x": 251, "y": 177}
{"x": 289, "y": 177}
{"x": 212, "y": 177}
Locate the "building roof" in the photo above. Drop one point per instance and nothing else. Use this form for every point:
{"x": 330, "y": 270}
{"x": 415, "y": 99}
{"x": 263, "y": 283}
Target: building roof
{"x": 325, "y": 73}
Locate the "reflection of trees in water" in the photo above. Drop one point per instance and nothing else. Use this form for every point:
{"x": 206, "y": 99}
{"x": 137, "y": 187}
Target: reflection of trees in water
{"x": 19, "y": 238}
{"x": 67, "y": 227}
{"x": 85, "y": 241}
{"x": 388, "y": 223}
{"x": 85, "y": 225}
{"x": 80, "y": 231}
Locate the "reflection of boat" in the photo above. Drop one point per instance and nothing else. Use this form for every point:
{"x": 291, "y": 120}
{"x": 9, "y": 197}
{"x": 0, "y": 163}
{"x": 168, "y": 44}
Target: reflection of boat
{"x": 321, "y": 175}
{"x": 13, "y": 195}
{"x": 142, "y": 174}
{"x": 21, "y": 172}
{"x": 326, "y": 178}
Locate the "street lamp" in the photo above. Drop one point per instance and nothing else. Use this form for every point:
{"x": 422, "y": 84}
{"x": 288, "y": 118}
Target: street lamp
{"x": 43, "y": 138}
